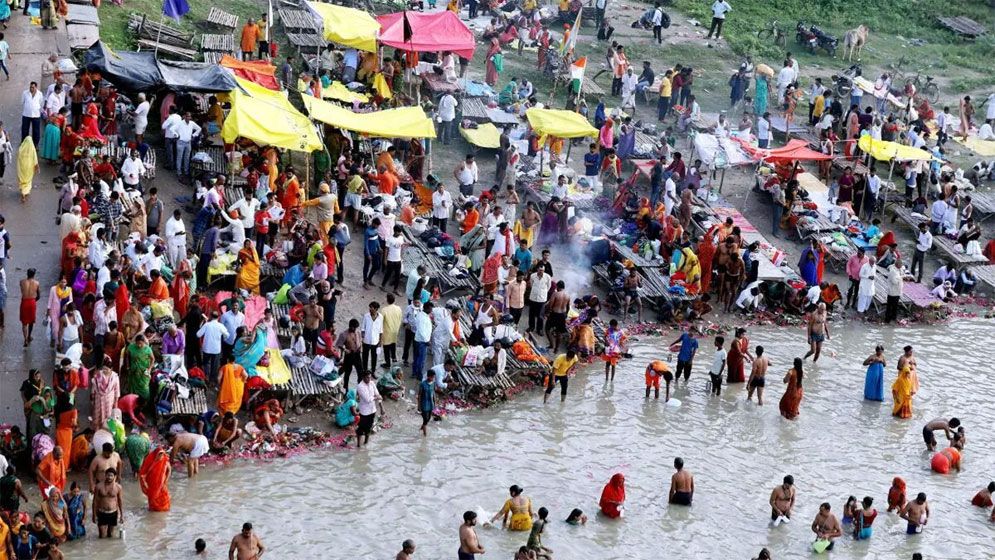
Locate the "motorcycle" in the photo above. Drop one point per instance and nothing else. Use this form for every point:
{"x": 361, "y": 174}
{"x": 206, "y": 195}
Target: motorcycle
{"x": 812, "y": 38}
{"x": 843, "y": 83}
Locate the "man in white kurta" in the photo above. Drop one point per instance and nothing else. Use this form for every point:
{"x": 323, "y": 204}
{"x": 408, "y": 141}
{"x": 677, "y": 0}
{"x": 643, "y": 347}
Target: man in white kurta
{"x": 865, "y": 291}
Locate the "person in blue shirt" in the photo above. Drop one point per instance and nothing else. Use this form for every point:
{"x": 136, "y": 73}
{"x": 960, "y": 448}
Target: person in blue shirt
{"x": 592, "y": 163}
{"x": 524, "y": 256}
{"x": 426, "y": 400}
{"x": 685, "y": 356}
{"x": 371, "y": 252}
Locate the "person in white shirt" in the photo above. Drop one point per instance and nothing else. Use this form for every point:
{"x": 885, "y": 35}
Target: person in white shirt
{"x": 176, "y": 238}
{"x": 369, "y": 401}
{"x": 924, "y": 242}
{"x": 185, "y": 131}
{"x": 719, "y": 10}
{"x": 871, "y": 194}
{"x": 669, "y": 194}
{"x": 657, "y": 27}
{"x": 212, "y": 333}
{"x": 985, "y": 132}
{"x": 169, "y": 132}
{"x": 372, "y": 329}
{"x": 936, "y": 214}
{"x": 132, "y": 171}
{"x": 749, "y": 298}
{"x": 784, "y": 79}
{"x": 539, "y": 283}
{"x": 31, "y": 105}
{"x": 55, "y": 100}
{"x": 442, "y": 203}
{"x": 395, "y": 245}
{"x": 491, "y": 222}
{"x": 141, "y": 117}
{"x": 447, "y": 118}
{"x": 467, "y": 175}
{"x": 763, "y": 131}
{"x": 629, "y": 81}
{"x": 246, "y": 208}
{"x": 236, "y": 229}
{"x": 442, "y": 334}
{"x": 718, "y": 365}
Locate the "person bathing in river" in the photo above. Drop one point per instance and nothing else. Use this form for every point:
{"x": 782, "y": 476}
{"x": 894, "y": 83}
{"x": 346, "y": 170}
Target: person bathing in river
{"x": 519, "y": 508}
{"x": 818, "y": 331}
{"x": 782, "y": 499}
{"x": 948, "y": 427}
{"x": 469, "y": 545}
{"x": 681, "y": 485}
{"x": 917, "y": 514}
{"x": 613, "y": 496}
{"x": 896, "y": 495}
{"x": 654, "y": 371}
{"x": 826, "y": 526}
{"x": 758, "y": 377}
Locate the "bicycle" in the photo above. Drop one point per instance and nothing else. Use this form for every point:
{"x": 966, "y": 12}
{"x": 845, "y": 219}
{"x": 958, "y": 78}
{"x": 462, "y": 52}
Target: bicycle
{"x": 772, "y": 31}
{"x": 926, "y": 87}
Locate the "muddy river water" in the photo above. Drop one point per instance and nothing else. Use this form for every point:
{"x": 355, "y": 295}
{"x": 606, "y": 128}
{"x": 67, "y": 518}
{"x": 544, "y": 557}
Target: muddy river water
{"x": 348, "y": 504}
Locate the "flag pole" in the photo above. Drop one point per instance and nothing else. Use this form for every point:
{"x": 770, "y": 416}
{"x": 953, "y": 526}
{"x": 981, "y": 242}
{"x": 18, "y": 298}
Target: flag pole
{"x": 158, "y": 35}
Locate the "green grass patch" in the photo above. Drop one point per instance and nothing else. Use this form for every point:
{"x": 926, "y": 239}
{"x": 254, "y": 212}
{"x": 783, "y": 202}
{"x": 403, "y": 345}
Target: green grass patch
{"x": 892, "y": 24}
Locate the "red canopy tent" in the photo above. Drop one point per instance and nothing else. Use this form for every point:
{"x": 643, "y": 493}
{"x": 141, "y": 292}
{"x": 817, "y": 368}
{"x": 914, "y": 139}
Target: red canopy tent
{"x": 257, "y": 71}
{"x": 441, "y": 31}
{"x": 794, "y": 150}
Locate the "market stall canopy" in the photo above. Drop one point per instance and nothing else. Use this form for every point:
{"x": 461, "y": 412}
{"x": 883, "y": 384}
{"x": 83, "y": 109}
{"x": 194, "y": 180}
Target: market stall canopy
{"x": 720, "y": 152}
{"x": 258, "y": 71}
{"x": 267, "y": 118}
{"x": 882, "y": 150}
{"x": 441, "y": 31}
{"x": 195, "y": 76}
{"x": 486, "y": 135}
{"x": 129, "y": 71}
{"x": 347, "y": 26}
{"x": 339, "y": 92}
{"x": 406, "y": 122}
{"x": 560, "y": 123}
{"x": 794, "y": 150}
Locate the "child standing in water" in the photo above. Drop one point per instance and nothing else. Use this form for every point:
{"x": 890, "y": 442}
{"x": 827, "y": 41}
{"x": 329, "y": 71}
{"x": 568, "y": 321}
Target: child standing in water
{"x": 718, "y": 365}
{"x": 615, "y": 339}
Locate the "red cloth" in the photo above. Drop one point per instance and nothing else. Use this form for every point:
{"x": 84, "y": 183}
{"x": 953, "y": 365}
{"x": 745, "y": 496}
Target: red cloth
{"x": 706, "y": 250}
{"x": 613, "y": 495}
{"x": 29, "y": 311}
{"x": 887, "y": 239}
{"x": 153, "y": 478}
{"x": 257, "y": 71}
{"x": 981, "y": 500}
{"x": 794, "y": 150}
{"x": 122, "y": 300}
{"x": 990, "y": 251}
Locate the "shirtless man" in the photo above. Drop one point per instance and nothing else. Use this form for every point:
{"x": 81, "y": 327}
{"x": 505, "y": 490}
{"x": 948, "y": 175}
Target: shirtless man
{"x": 407, "y": 550}
{"x": 630, "y": 287}
{"x": 556, "y": 316}
{"x": 681, "y": 485}
{"x": 948, "y": 427}
{"x": 246, "y": 545}
{"x": 916, "y": 513}
{"x": 468, "y": 543}
{"x": 758, "y": 377}
{"x": 108, "y": 508}
{"x": 314, "y": 317}
{"x": 826, "y": 526}
{"x": 108, "y": 459}
{"x": 193, "y": 446}
{"x": 818, "y": 331}
{"x": 30, "y": 294}
{"x": 782, "y": 499}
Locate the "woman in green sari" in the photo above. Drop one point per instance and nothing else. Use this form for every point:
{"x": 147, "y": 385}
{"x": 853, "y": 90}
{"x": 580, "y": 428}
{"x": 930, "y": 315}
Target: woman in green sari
{"x": 39, "y": 402}
{"x": 760, "y": 97}
{"x": 138, "y": 361}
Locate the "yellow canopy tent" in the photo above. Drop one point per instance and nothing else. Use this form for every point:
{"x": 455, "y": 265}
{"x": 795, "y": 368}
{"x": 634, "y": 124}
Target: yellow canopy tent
{"x": 348, "y": 26}
{"x": 267, "y": 118}
{"x": 883, "y": 150}
{"x": 484, "y": 136}
{"x": 560, "y": 123}
{"x": 406, "y": 122}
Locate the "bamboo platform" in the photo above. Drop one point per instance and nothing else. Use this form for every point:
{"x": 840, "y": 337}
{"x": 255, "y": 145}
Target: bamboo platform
{"x": 217, "y": 16}
{"x": 418, "y": 253}
{"x": 219, "y": 43}
{"x": 298, "y": 21}
{"x": 195, "y": 405}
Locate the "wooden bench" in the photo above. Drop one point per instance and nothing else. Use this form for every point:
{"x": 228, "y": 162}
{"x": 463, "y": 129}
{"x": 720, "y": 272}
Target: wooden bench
{"x": 298, "y": 21}
{"x": 220, "y": 17}
{"x": 941, "y": 243}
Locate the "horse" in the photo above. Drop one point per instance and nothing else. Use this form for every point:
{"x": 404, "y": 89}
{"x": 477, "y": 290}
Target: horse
{"x": 854, "y": 41}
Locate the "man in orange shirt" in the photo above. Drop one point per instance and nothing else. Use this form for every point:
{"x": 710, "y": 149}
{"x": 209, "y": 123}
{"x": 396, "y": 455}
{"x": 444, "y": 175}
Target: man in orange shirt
{"x": 387, "y": 182}
{"x": 619, "y": 65}
{"x": 51, "y": 471}
{"x": 471, "y": 219}
{"x": 159, "y": 290}
{"x": 250, "y": 36}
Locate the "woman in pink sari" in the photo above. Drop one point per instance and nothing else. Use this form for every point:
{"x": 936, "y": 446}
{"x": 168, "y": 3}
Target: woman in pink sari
{"x": 491, "y": 77}
{"x": 104, "y": 394}
{"x": 60, "y": 295}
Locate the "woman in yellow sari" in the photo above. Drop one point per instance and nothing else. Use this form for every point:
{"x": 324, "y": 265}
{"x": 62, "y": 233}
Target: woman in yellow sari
{"x": 27, "y": 166}
{"x": 901, "y": 391}
{"x": 520, "y": 509}
{"x": 54, "y": 508}
{"x": 691, "y": 268}
{"x": 248, "y": 269}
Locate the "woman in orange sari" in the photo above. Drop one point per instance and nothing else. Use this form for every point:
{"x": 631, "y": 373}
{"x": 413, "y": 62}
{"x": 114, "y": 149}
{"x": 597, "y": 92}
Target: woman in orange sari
{"x": 91, "y": 124}
{"x": 901, "y": 392}
{"x": 66, "y": 424}
{"x": 613, "y": 496}
{"x": 180, "y": 289}
{"x": 792, "y": 398}
{"x": 153, "y": 478}
{"x": 706, "y": 250}
{"x": 248, "y": 268}
{"x": 290, "y": 195}
{"x": 54, "y": 508}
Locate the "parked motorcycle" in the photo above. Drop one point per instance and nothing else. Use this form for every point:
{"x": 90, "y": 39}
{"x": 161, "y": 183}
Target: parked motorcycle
{"x": 812, "y": 38}
{"x": 843, "y": 83}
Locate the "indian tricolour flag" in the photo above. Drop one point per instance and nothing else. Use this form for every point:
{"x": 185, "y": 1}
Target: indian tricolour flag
{"x": 577, "y": 74}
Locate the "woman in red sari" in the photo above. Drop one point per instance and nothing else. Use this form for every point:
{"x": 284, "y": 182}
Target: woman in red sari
{"x": 489, "y": 273}
{"x": 739, "y": 352}
{"x": 72, "y": 248}
{"x": 491, "y": 76}
{"x": 613, "y": 496}
{"x": 153, "y": 478}
{"x": 887, "y": 240}
{"x": 180, "y": 289}
{"x": 706, "y": 250}
{"x": 792, "y": 398}
{"x": 90, "y": 127}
